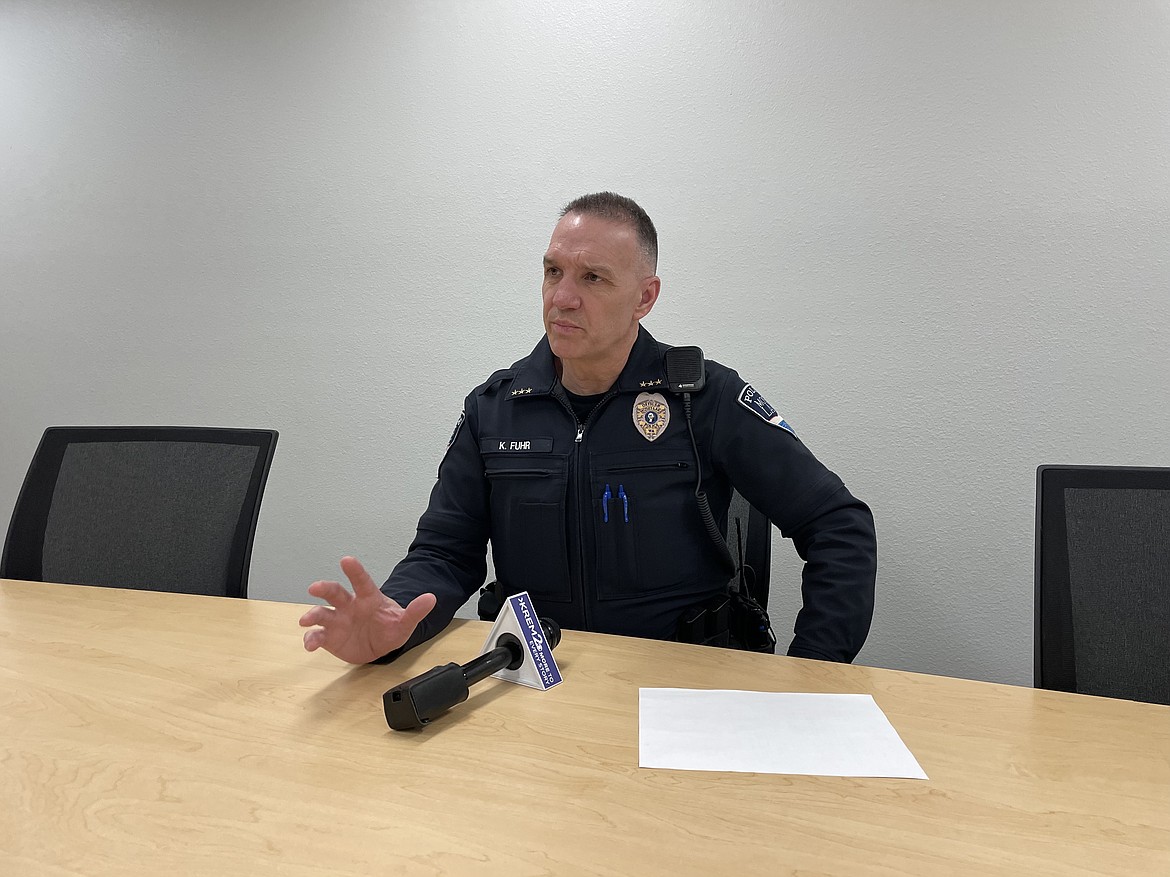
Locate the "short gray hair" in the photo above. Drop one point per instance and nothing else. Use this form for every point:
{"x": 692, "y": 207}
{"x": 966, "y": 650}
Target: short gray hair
{"x": 619, "y": 208}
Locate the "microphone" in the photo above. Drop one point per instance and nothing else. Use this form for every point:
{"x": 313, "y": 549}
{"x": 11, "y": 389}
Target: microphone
{"x": 685, "y": 369}
{"x": 417, "y": 701}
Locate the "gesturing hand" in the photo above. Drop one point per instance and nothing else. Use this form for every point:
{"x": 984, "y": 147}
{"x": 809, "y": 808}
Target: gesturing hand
{"x": 362, "y": 626}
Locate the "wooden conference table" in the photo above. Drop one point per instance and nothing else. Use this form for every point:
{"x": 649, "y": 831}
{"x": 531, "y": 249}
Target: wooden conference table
{"x": 163, "y": 734}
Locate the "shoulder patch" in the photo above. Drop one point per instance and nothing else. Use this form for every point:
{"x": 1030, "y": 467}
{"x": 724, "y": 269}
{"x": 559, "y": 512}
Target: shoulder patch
{"x": 758, "y": 405}
{"x": 455, "y": 431}
{"x": 451, "y": 441}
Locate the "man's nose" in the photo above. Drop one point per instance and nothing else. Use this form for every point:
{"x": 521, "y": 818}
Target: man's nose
{"x": 564, "y": 296}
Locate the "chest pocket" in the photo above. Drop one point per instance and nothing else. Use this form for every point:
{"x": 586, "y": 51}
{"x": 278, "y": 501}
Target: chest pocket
{"x": 646, "y": 524}
{"x": 527, "y": 499}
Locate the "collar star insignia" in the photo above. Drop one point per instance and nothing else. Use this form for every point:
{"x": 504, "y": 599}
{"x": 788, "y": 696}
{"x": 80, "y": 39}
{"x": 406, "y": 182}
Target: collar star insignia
{"x": 522, "y": 391}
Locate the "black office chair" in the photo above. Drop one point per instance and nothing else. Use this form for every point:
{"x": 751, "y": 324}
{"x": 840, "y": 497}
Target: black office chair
{"x": 1103, "y": 581}
{"x": 149, "y": 507}
{"x": 749, "y": 537}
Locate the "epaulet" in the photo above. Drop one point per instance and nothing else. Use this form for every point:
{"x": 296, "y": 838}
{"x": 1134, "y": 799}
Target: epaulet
{"x": 492, "y": 384}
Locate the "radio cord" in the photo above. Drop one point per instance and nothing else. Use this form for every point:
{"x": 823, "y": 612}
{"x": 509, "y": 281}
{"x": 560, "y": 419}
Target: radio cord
{"x": 701, "y": 497}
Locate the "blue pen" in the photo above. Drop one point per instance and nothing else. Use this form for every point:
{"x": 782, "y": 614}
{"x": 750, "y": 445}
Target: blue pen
{"x": 605, "y": 498}
{"x": 625, "y": 503}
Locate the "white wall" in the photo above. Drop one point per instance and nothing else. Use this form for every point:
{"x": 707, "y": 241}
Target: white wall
{"x": 935, "y": 235}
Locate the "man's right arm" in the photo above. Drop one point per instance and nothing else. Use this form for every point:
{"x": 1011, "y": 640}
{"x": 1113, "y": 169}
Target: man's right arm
{"x": 448, "y": 557}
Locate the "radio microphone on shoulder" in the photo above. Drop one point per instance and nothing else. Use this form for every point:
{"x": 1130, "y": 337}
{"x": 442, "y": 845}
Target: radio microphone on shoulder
{"x": 686, "y": 373}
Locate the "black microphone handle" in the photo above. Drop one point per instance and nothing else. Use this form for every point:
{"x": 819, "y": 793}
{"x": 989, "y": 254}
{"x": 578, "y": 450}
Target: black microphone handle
{"x": 415, "y": 702}
{"x": 506, "y": 654}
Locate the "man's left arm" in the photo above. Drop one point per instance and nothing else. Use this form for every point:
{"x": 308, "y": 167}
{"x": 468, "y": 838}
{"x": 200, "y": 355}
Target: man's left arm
{"x": 839, "y": 547}
{"x": 832, "y": 530}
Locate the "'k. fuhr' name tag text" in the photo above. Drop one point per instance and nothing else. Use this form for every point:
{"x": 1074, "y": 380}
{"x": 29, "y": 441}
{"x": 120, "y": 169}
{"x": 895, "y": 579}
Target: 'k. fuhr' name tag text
{"x": 516, "y": 445}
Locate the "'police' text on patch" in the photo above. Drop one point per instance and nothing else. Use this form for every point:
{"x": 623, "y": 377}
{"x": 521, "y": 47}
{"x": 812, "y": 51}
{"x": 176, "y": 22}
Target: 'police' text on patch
{"x": 758, "y": 405}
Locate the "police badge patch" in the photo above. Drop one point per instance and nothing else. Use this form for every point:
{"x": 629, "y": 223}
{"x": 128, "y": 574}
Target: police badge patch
{"x": 757, "y": 405}
{"x": 651, "y": 415}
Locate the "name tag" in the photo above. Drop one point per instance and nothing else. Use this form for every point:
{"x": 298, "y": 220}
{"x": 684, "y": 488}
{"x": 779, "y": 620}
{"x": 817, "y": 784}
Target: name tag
{"x": 517, "y": 445}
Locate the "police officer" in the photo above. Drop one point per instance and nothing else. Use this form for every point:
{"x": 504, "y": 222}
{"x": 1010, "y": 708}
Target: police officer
{"x": 581, "y": 467}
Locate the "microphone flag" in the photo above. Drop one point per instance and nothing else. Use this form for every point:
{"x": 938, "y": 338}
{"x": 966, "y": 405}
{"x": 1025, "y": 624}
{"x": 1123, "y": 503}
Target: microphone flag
{"x": 518, "y": 618}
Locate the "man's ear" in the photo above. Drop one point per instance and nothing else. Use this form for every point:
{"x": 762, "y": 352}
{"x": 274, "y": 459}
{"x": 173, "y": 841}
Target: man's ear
{"x": 650, "y": 289}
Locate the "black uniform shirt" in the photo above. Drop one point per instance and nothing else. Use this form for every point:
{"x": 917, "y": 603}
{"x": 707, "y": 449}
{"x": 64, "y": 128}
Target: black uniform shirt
{"x": 598, "y": 521}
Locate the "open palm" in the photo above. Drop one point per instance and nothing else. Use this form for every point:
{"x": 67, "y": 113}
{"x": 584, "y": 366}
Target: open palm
{"x": 362, "y": 626}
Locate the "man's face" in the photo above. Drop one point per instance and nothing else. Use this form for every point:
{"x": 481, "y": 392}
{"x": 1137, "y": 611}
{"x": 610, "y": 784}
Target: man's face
{"x": 597, "y": 285}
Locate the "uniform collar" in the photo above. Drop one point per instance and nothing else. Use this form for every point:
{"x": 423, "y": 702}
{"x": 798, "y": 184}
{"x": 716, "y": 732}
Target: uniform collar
{"x": 537, "y": 374}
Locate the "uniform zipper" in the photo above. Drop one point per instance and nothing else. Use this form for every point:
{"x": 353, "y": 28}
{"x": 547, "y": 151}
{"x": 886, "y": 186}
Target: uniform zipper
{"x": 584, "y": 497}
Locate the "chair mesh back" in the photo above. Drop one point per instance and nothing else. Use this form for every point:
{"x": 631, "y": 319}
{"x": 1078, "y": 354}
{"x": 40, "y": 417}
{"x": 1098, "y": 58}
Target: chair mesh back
{"x": 749, "y": 537}
{"x": 737, "y": 522}
{"x": 160, "y": 515}
{"x": 1119, "y": 587}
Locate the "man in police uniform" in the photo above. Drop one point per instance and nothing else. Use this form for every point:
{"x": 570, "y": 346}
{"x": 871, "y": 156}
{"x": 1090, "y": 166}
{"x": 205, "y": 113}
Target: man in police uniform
{"x": 577, "y": 463}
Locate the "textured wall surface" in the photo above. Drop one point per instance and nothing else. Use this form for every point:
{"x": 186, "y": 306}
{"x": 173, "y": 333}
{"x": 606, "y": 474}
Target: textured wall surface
{"x": 935, "y": 236}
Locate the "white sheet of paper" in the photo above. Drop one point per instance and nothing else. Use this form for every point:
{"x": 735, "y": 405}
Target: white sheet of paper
{"x": 844, "y": 735}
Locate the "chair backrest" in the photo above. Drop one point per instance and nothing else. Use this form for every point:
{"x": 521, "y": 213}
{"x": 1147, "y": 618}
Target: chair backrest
{"x": 155, "y": 508}
{"x": 1103, "y": 581}
{"x": 749, "y": 536}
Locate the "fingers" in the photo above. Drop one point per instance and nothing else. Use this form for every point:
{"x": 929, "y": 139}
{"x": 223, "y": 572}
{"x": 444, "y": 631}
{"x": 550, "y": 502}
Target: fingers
{"x": 363, "y": 585}
{"x": 314, "y": 639}
{"x": 331, "y": 592}
{"x": 317, "y": 615}
{"x": 349, "y": 626}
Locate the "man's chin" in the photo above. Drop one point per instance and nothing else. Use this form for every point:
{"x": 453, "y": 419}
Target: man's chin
{"x": 562, "y": 345}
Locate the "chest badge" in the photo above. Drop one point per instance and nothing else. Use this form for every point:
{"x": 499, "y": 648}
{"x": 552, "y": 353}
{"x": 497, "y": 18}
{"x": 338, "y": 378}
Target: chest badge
{"x": 651, "y": 415}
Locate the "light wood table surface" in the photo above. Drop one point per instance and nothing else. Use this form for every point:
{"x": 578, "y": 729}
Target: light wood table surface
{"x": 161, "y": 734}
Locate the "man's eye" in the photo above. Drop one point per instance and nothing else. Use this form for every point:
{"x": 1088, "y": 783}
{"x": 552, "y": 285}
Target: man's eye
{"x": 592, "y": 278}
{"x": 550, "y": 271}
